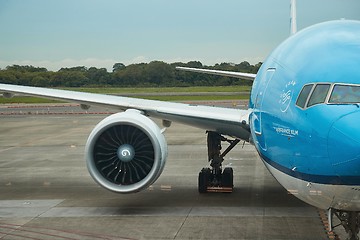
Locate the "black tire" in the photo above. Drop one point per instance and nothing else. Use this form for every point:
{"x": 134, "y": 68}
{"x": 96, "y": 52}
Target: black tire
{"x": 227, "y": 178}
{"x": 204, "y": 180}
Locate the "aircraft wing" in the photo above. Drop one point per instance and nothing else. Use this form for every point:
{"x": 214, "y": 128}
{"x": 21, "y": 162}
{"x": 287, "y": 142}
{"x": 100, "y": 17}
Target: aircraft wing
{"x": 247, "y": 76}
{"x": 233, "y": 122}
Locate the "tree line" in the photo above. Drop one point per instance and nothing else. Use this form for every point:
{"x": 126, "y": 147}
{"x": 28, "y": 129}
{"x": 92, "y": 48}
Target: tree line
{"x": 153, "y": 74}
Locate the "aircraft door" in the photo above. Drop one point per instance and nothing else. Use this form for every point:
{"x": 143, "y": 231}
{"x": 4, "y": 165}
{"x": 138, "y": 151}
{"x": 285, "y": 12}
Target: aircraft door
{"x": 258, "y": 107}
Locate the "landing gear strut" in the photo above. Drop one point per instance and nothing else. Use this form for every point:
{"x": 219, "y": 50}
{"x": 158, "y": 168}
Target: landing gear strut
{"x": 350, "y": 220}
{"x": 214, "y": 179}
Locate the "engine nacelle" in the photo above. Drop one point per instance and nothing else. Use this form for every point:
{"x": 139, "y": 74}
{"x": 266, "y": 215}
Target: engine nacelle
{"x": 126, "y": 152}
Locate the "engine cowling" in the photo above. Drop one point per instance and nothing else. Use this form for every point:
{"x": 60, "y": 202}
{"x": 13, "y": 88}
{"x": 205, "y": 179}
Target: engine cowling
{"x": 126, "y": 152}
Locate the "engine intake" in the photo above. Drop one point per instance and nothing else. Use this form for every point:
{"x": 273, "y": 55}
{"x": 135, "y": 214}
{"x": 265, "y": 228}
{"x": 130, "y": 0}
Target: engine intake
{"x": 126, "y": 152}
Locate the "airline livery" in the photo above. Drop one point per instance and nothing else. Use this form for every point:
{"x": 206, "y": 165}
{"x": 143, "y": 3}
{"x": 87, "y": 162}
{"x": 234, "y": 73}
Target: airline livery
{"x": 303, "y": 119}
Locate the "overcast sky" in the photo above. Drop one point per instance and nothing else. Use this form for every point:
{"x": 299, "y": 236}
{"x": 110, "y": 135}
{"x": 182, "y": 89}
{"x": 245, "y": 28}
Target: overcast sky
{"x": 66, "y": 33}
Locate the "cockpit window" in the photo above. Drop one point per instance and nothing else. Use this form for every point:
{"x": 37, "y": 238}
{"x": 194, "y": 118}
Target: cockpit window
{"x": 345, "y": 94}
{"x": 319, "y": 94}
{"x": 301, "y": 101}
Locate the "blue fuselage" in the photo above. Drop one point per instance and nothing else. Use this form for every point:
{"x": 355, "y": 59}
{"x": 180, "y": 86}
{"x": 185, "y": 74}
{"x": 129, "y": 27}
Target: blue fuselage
{"x": 312, "y": 143}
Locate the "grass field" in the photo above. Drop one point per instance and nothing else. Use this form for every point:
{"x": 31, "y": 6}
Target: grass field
{"x": 164, "y": 89}
{"x": 192, "y": 94}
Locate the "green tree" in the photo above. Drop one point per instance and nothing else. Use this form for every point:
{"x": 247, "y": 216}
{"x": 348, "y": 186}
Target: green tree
{"x": 132, "y": 75}
{"x": 118, "y": 67}
{"x": 26, "y": 68}
{"x": 159, "y": 74}
{"x": 39, "y": 81}
{"x": 98, "y": 76}
{"x": 69, "y": 79}
{"x": 8, "y": 77}
{"x": 156, "y": 73}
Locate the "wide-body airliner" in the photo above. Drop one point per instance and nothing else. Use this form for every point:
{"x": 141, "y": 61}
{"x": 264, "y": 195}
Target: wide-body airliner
{"x": 303, "y": 119}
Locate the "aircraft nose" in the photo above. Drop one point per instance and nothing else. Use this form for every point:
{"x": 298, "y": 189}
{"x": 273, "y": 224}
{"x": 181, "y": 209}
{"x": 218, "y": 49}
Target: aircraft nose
{"x": 344, "y": 144}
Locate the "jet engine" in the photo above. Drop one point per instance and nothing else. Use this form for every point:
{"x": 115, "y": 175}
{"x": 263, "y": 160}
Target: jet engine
{"x": 126, "y": 152}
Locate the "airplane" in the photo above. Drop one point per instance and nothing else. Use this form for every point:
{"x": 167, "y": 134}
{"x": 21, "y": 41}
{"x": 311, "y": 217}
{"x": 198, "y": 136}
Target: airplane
{"x": 303, "y": 120}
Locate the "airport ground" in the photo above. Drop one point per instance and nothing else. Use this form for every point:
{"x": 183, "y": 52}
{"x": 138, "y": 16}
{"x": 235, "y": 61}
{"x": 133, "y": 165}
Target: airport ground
{"x": 47, "y": 193}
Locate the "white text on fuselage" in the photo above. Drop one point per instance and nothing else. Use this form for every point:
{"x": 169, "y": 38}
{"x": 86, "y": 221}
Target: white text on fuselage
{"x": 286, "y": 131}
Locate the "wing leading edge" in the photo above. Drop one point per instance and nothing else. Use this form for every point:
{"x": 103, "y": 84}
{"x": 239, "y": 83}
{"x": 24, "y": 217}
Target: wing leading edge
{"x": 233, "y": 122}
{"x": 246, "y": 76}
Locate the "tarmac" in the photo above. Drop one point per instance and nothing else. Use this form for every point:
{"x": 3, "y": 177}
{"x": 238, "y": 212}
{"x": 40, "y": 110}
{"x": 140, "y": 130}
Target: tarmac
{"x": 47, "y": 193}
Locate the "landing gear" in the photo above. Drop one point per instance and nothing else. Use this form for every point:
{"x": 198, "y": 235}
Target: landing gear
{"x": 215, "y": 179}
{"x": 350, "y": 220}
